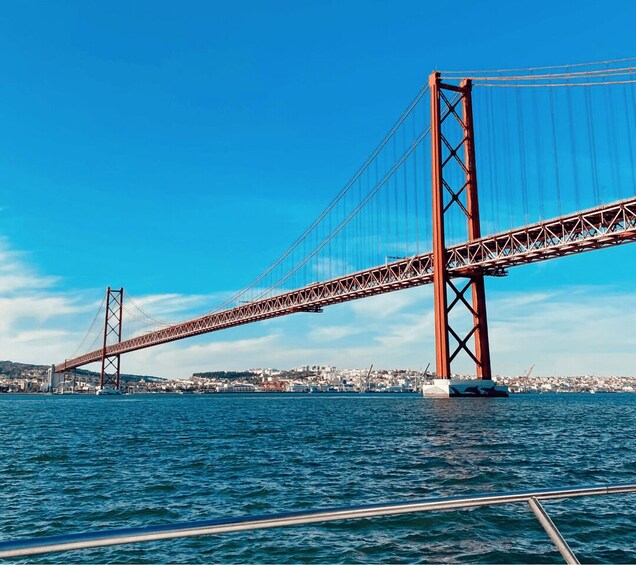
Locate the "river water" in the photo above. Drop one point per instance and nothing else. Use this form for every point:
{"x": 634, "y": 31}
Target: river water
{"x": 76, "y": 463}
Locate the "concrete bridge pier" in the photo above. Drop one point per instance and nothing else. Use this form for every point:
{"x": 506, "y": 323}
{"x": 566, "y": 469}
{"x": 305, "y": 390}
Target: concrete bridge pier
{"x": 448, "y": 388}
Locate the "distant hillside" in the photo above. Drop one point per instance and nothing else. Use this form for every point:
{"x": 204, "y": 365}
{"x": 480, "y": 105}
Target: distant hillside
{"x": 14, "y": 370}
{"x": 17, "y": 370}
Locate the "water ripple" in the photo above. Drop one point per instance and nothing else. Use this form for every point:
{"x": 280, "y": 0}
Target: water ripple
{"x": 85, "y": 463}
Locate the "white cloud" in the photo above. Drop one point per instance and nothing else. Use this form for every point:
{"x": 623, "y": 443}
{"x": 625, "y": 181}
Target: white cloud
{"x": 41, "y": 323}
{"x": 32, "y": 312}
{"x": 574, "y": 331}
{"x": 181, "y": 359}
{"x": 15, "y": 274}
{"x": 39, "y": 338}
{"x": 323, "y": 268}
{"x": 385, "y": 306}
{"x": 333, "y": 333}
{"x": 409, "y": 330}
{"x": 167, "y": 305}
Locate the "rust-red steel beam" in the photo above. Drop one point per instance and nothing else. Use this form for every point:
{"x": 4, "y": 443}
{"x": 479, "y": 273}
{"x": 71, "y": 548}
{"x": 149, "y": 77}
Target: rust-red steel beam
{"x": 110, "y": 375}
{"x": 440, "y": 275}
{"x": 605, "y": 226}
{"x": 480, "y": 320}
{"x": 453, "y": 131}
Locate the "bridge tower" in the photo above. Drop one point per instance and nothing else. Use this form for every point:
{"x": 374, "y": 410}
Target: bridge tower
{"x": 109, "y": 377}
{"x": 454, "y": 186}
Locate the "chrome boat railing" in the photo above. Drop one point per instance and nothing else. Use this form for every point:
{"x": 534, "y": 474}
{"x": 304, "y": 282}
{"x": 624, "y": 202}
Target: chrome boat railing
{"x": 69, "y": 542}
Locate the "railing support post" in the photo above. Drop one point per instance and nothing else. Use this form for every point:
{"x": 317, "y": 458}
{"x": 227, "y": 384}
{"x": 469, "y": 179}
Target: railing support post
{"x": 552, "y": 531}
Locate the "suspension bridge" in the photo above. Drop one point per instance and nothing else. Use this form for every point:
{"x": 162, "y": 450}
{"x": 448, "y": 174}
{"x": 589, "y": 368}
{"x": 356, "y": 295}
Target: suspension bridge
{"x": 482, "y": 172}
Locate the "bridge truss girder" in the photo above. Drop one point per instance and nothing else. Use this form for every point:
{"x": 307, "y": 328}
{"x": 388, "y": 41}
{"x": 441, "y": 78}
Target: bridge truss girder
{"x": 597, "y": 228}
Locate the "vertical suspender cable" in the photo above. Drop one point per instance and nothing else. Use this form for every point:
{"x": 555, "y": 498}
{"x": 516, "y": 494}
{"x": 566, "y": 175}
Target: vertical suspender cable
{"x": 613, "y": 157}
{"x": 509, "y": 181}
{"x": 555, "y": 151}
{"x": 331, "y": 248}
{"x": 632, "y": 98}
{"x": 416, "y": 188}
{"x": 304, "y": 247}
{"x": 382, "y": 209}
{"x": 426, "y": 197}
{"x": 538, "y": 158}
{"x": 388, "y": 216}
{"x": 395, "y": 215}
{"x": 492, "y": 162}
{"x": 358, "y": 220}
{"x": 367, "y": 250}
{"x": 405, "y": 171}
{"x": 522, "y": 156}
{"x": 630, "y": 134}
{"x": 592, "y": 146}
{"x": 90, "y": 328}
{"x": 377, "y": 237}
{"x": 575, "y": 157}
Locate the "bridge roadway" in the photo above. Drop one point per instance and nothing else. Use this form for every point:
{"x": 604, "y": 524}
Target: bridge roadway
{"x": 595, "y": 228}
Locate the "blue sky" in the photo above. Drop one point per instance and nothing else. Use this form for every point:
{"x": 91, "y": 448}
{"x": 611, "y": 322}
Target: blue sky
{"x": 177, "y": 149}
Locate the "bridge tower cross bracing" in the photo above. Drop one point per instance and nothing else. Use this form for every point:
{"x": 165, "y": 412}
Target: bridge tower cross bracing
{"x": 109, "y": 377}
{"x": 451, "y": 109}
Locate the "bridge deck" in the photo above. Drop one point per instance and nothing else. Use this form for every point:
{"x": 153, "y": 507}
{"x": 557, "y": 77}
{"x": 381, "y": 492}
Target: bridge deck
{"x": 595, "y": 228}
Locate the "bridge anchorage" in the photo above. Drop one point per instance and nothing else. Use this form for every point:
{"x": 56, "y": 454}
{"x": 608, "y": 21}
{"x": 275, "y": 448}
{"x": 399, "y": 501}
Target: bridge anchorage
{"x": 453, "y": 147}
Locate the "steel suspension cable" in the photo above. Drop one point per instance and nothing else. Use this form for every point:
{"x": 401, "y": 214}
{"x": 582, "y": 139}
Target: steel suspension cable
{"x": 152, "y": 319}
{"x": 416, "y": 192}
{"x": 426, "y": 201}
{"x": 575, "y": 170}
{"x": 630, "y": 134}
{"x": 351, "y": 215}
{"x": 136, "y": 316}
{"x": 395, "y": 204}
{"x": 540, "y": 170}
{"x": 495, "y": 202}
{"x": 616, "y": 176}
{"x": 522, "y": 157}
{"x": 406, "y": 209}
{"x": 332, "y": 205}
{"x": 555, "y": 85}
{"x": 90, "y": 329}
{"x": 96, "y": 340}
{"x": 530, "y": 69}
{"x": 604, "y": 73}
{"x": 509, "y": 180}
{"x": 592, "y": 145}
{"x": 555, "y": 152}
{"x": 144, "y": 325}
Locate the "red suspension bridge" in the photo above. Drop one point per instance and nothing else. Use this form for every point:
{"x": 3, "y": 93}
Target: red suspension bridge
{"x": 553, "y": 145}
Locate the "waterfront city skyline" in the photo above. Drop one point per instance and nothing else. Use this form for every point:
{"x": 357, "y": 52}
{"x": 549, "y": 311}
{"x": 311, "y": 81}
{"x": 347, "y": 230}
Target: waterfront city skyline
{"x": 196, "y": 144}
